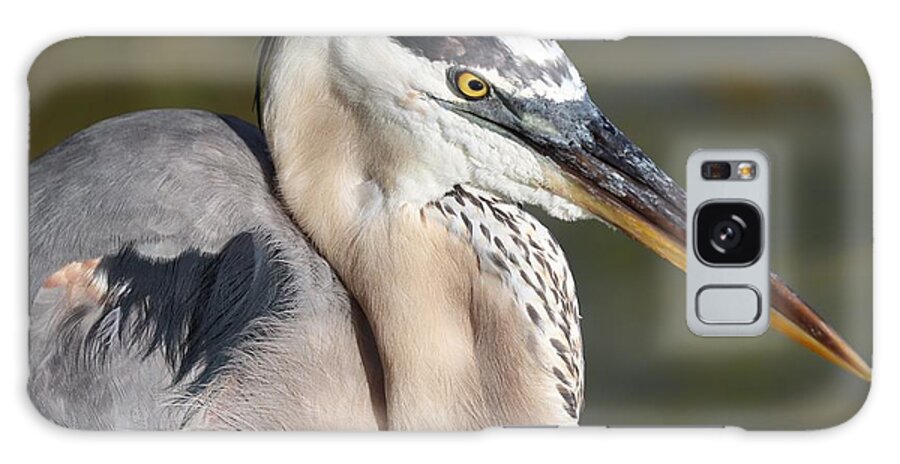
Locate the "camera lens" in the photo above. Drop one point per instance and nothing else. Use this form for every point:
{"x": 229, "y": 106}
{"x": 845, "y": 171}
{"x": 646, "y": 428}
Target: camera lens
{"x": 728, "y": 233}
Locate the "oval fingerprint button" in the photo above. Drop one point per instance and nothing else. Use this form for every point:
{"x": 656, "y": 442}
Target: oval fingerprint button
{"x": 723, "y": 304}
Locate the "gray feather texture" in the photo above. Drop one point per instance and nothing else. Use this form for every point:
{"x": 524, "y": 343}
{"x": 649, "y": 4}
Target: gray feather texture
{"x": 166, "y": 184}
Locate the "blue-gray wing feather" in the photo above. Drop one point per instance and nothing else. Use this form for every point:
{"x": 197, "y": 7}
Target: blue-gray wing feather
{"x": 196, "y": 255}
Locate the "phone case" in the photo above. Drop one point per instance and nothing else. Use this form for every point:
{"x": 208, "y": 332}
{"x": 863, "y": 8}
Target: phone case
{"x": 435, "y": 233}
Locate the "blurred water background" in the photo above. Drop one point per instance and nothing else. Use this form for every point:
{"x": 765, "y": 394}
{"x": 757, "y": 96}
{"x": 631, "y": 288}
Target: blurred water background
{"x": 806, "y": 102}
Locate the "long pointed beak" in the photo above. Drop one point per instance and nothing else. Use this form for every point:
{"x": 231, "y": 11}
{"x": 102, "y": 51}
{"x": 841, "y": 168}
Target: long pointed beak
{"x": 591, "y": 163}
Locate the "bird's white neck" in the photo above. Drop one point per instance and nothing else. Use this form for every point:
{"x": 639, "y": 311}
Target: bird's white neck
{"x": 457, "y": 349}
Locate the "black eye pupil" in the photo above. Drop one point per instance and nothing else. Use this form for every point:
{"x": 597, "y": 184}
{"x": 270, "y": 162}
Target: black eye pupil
{"x": 476, "y": 86}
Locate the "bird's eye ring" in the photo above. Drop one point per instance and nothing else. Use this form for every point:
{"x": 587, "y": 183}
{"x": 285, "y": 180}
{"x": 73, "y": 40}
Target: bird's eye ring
{"x": 471, "y": 86}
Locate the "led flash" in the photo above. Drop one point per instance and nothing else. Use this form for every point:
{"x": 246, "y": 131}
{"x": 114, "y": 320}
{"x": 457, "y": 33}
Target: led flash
{"x": 746, "y": 170}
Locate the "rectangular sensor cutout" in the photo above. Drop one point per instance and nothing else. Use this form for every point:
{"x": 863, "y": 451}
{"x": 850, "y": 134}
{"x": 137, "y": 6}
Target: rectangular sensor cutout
{"x": 728, "y": 170}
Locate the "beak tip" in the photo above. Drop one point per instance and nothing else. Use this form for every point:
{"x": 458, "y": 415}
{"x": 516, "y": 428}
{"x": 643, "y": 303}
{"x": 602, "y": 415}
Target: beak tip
{"x": 832, "y": 347}
{"x": 861, "y": 368}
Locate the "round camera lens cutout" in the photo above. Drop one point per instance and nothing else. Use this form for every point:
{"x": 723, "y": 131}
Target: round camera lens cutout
{"x": 728, "y": 233}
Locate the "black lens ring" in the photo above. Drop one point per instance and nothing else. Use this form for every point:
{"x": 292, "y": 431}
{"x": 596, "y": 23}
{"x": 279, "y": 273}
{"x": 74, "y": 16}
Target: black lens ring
{"x": 742, "y": 248}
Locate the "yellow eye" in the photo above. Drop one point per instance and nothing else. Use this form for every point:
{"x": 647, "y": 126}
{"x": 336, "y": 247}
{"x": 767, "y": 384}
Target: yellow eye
{"x": 471, "y": 86}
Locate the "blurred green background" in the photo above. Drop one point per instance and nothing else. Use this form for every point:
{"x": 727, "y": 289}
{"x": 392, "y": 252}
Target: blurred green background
{"x": 806, "y": 102}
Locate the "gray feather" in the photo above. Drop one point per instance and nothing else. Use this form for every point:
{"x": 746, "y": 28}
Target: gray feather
{"x": 164, "y": 185}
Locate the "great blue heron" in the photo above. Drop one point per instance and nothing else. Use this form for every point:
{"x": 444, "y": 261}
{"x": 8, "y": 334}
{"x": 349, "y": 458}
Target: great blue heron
{"x": 375, "y": 271}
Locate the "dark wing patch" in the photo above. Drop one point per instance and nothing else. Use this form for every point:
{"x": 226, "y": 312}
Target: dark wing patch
{"x": 197, "y": 308}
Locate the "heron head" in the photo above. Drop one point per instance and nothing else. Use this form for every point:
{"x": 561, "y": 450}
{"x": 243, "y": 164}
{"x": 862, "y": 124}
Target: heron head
{"x": 508, "y": 115}
{"x": 513, "y": 117}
